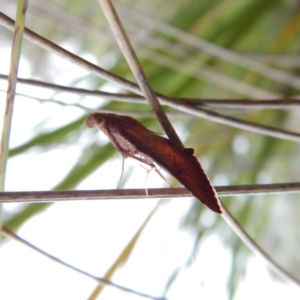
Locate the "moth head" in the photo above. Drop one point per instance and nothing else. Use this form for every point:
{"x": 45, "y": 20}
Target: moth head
{"x": 93, "y": 120}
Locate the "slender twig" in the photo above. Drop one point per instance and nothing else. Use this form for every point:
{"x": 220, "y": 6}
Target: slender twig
{"x": 123, "y": 194}
{"x": 255, "y": 248}
{"x": 12, "y": 81}
{"x": 46, "y": 44}
{"x": 234, "y": 122}
{"x": 137, "y": 70}
{"x": 245, "y": 103}
{"x": 101, "y": 281}
{"x": 135, "y": 113}
{"x": 284, "y": 103}
{"x": 281, "y": 60}
{"x": 80, "y": 91}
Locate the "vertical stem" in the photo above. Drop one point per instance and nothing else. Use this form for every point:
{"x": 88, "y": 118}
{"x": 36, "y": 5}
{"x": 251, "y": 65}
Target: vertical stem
{"x": 12, "y": 81}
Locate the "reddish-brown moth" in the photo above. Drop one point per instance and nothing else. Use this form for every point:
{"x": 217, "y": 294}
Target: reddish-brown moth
{"x": 134, "y": 140}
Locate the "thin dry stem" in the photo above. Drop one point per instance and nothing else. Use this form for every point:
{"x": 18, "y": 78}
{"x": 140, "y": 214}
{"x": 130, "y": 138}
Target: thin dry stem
{"x": 284, "y": 103}
{"x": 255, "y": 248}
{"x": 137, "y": 70}
{"x": 123, "y": 194}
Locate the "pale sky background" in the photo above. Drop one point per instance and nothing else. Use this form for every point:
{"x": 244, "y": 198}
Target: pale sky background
{"x": 90, "y": 235}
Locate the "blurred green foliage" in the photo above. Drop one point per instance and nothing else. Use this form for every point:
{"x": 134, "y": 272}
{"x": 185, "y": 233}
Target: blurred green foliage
{"x": 266, "y": 31}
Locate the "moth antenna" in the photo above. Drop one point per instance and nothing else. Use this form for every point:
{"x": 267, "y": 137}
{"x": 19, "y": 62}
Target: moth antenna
{"x": 122, "y": 171}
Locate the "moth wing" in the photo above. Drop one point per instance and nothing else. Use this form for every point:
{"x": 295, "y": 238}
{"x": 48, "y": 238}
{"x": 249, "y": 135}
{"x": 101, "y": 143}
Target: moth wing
{"x": 182, "y": 165}
{"x": 187, "y": 170}
{"x": 193, "y": 177}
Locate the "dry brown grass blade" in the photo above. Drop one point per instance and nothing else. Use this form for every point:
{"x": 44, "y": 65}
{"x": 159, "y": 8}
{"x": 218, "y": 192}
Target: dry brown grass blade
{"x": 124, "y": 254}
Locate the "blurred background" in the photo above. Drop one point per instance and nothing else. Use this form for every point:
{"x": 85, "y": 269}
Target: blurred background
{"x": 174, "y": 248}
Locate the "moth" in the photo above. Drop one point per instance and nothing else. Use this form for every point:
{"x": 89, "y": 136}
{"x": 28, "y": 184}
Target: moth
{"x": 134, "y": 140}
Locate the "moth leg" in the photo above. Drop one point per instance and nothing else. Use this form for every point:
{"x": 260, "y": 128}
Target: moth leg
{"x": 122, "y": 171}
{"x": 161, "y": 175}
{"x": 148, "y": 172}
{"x": 153, "y": 167}
{"x": 143, "y": 160}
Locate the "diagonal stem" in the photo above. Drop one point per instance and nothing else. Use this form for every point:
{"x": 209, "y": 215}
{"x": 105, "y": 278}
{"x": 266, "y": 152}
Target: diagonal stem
{"x": 255, "y": 248}
{"x": 137, "y": 70}
{"x": 101, "y": 281}
{"x": 247, "y": 104}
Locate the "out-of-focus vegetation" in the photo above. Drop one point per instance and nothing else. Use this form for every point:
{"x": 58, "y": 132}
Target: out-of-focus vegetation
{"x": 188, "y": 49}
